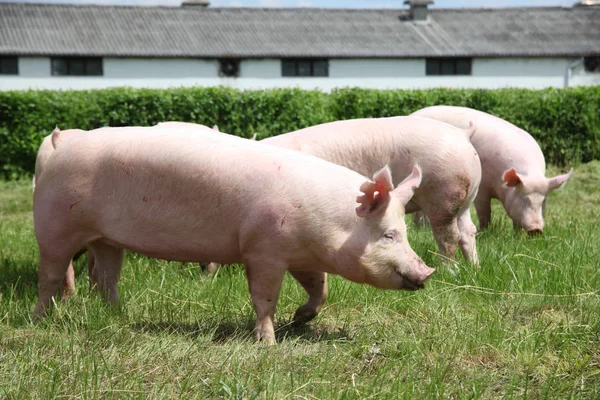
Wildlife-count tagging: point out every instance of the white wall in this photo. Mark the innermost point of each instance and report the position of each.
(382, 68)
(491, 73)
(144, 68)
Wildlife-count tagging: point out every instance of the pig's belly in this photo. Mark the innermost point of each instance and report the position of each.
(184, 245)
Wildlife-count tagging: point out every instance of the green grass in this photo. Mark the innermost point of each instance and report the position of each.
(524, 325)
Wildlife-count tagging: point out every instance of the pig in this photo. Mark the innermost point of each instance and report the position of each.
(44, 152)
(167, 193)
(513, 167)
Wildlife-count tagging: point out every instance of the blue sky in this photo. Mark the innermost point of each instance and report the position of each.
(325, 3)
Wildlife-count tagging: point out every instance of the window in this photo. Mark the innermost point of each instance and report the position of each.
(304, 67)
(77, 66)
(592, 63)
(9, 65)
(229, 67)
(448, 66)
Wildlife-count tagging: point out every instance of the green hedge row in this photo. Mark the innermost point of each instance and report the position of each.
(566, 122)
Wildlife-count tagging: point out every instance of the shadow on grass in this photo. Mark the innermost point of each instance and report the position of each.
(224, 331)
(20, 278)
(17, 278)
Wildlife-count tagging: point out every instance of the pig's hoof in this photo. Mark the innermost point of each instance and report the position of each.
(67, 293)
(304, 314)
(213, 267)
(265, 338)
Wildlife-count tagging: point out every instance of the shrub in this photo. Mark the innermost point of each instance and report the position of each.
(566, 122)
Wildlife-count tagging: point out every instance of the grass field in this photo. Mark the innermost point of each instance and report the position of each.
(524, 325)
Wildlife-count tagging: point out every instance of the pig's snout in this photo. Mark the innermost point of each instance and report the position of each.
(535, 232)
(417, 280)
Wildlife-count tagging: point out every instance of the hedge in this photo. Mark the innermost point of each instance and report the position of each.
(566, 122)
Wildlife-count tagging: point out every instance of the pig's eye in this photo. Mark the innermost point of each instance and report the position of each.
(390, 235)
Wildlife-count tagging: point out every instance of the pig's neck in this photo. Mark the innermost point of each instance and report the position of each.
(345, 262)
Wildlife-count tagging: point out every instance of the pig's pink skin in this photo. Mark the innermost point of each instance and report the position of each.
(451, 167)
(167, 193)
(44, 152)
(503, 147)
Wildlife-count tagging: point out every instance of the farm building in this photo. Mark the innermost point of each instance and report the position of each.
(56, 46)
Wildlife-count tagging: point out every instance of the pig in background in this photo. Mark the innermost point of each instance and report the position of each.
(512, 163)
(167, 193)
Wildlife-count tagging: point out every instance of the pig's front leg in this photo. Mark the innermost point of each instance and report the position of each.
(264, 281)
(315, 284)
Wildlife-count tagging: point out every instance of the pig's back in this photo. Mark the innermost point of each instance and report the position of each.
(500, 144)
(365, 145)
(193, 184)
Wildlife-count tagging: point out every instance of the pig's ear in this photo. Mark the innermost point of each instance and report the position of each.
(55, 137)
(511, 178)
(406, 189)
(559, 180)
(253, 138)
(216, 128)
(375, 193)
(470, 131)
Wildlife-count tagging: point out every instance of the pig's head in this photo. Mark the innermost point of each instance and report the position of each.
(386, 258)
(525, 201)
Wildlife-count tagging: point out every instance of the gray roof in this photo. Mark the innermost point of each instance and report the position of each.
(90, 30)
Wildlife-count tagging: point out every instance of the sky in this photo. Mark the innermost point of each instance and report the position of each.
(323, 3)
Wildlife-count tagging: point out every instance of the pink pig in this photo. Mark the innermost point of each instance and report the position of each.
(167, 193)
(512, 163)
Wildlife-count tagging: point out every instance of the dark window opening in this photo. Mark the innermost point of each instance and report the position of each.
(229, 67)
(9, 65)
(77, 66)
(304, 67)
(448, 66)
(592, 63)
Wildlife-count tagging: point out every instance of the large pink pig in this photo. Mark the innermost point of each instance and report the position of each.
(168, 194)
(512, 163)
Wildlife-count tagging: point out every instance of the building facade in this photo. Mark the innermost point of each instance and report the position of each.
(88, 47)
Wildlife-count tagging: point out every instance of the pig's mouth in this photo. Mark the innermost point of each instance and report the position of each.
(411, 285)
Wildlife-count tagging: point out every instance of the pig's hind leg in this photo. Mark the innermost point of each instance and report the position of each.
(315, 284)
(51, 272)
(446, 233)
(106, 269)
(467, 236)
